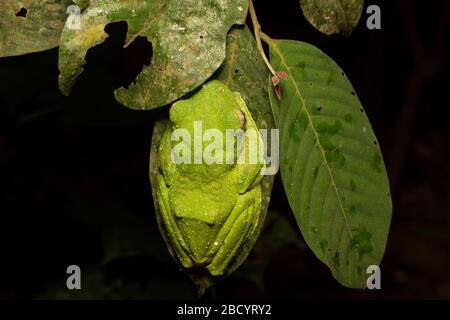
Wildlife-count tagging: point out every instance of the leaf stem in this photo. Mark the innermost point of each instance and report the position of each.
(258, 34)
(265, 38)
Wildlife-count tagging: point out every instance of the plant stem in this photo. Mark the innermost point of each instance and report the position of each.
(258, 34)
(265, 37)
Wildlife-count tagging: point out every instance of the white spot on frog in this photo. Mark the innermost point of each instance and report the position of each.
(216, 243)
(240, 8)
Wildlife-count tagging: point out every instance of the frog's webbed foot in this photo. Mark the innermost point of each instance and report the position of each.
(238, 227)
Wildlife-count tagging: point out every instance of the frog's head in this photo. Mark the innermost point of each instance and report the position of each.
(218, 111)
(215, 105)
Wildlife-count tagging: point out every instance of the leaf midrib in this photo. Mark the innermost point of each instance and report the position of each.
(311, 124)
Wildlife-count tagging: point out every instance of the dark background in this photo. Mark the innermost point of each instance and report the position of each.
(75, 189)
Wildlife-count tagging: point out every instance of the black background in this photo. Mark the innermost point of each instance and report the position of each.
(74, 170)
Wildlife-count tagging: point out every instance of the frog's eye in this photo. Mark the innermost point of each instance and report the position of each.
(242, 120)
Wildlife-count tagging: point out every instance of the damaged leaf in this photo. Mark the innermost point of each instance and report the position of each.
(331, 163)
(31, 25)
(333, 16)
(188, 40)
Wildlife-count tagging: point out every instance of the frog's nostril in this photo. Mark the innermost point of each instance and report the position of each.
(242, 119)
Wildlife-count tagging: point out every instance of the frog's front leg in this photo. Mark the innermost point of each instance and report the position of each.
(239, 226)
(180, 245)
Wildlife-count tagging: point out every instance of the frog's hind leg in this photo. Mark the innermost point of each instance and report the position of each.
(180, 245)
(239, 226)
(256, 214)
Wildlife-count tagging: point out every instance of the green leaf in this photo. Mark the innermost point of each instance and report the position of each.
(250, 82)
(331, 164)
(188, 40)
(39, 30)
(333, 16)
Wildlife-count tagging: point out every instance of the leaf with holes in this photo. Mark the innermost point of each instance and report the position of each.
(188, 40)
(31, 26)
(333, 16)
(331, 164)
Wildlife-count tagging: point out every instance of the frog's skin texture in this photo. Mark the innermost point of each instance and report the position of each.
(209, 211)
